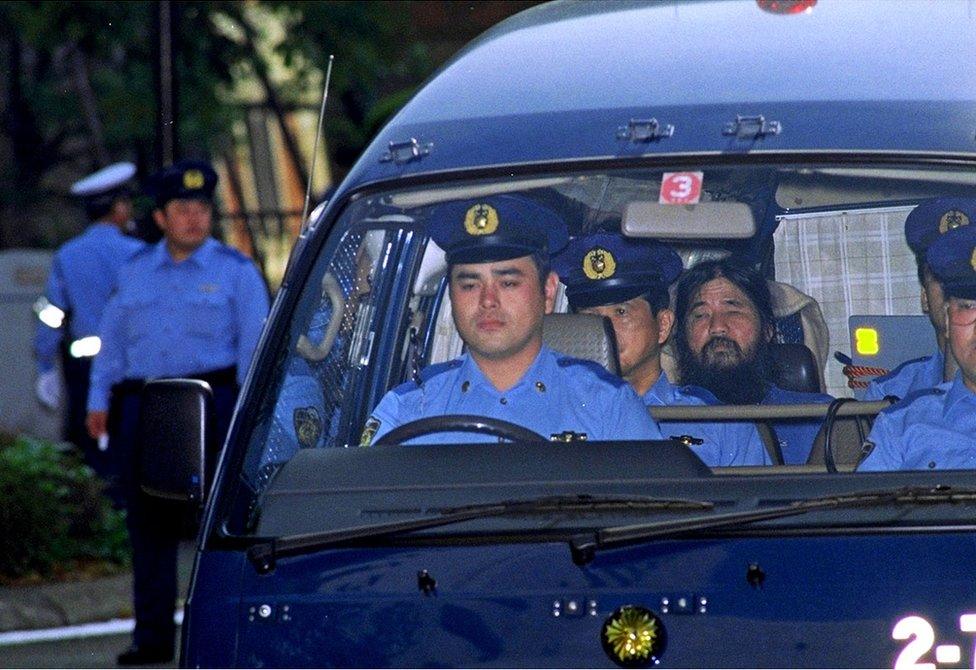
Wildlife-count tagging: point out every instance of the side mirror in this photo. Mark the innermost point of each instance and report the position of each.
(175, 426)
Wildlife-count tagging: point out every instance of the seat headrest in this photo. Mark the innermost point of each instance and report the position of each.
(586, 336)
(794, 367)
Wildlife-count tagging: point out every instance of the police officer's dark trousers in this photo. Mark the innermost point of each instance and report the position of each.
(156, 526)
(76, 375)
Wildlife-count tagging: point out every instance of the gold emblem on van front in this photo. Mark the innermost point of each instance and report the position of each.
(599, 264)
(193, 179)
(633, 637)
(951, 220)
(481, 220)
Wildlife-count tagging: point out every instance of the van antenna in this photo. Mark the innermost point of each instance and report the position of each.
(315, 147)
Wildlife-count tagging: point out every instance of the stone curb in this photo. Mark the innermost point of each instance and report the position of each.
(68, 603)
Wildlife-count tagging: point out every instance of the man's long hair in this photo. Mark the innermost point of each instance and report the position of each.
(748, 382)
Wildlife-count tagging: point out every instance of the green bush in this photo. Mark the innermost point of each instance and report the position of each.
(53, 514)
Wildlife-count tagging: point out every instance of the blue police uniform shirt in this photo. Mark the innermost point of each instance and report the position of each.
(557, 393)
(171, 319)
(914, 375)
(795, 436)
(930, 429)
(83, 276)
(723, 444)
(305, 415)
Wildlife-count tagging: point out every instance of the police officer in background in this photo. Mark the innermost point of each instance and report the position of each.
(924, 225)
(500, 285)
(188, 307)
(83, 276)
(936, 428)
(627, 281)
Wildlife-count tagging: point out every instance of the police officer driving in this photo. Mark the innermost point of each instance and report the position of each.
(500, 286)
(936, 428)
(83, 276)
(187, 307)
(627, 281)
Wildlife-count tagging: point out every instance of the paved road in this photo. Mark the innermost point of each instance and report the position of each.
(86, 652)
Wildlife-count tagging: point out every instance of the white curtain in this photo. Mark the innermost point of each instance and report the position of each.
(851, 263)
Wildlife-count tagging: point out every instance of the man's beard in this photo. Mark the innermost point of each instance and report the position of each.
(734, 377)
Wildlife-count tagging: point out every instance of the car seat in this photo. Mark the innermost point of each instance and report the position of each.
(586, 336)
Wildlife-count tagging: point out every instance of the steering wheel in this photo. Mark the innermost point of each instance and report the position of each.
(459, 423)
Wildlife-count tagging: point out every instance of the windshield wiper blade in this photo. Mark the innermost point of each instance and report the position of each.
(583, 547)
(264, 554)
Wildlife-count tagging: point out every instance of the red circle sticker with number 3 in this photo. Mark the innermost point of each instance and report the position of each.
(680, 188)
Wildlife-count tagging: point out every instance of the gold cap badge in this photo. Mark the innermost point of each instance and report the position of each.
(599, 264)
(193, 179)
(972, 260)
(481, 220)
(951, 220)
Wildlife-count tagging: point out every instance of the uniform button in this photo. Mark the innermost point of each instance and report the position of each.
(931, 465)
(465, 386)
(503, 401)
(541, 387)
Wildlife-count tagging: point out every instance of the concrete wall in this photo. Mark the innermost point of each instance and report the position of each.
(23, 273)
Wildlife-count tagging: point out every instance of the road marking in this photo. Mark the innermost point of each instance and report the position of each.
(96, 629)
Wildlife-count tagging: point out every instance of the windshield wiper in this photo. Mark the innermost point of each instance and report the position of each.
(584, 546)
(264, 554)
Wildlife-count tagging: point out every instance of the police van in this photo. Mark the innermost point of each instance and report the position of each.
(792, 135)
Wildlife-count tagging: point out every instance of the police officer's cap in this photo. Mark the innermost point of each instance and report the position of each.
(496, 228)
(185, 180)
(932, 218)
(952, 258)
(607, 269)
(107, 183)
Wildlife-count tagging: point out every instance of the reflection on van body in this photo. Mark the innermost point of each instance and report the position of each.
(796, 143)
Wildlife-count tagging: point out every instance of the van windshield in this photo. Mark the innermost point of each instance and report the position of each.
(736, 321)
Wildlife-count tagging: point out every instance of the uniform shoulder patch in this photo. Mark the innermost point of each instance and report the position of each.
(369, 431)
(230, 251)
(593, 367)
(432, 371)
(308, 425)
(912, 397)
(901, 366)
(702, 394)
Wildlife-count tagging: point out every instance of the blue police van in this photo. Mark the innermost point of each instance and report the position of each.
(792, 135)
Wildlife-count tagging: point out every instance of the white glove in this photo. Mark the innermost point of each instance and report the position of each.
(48, 389)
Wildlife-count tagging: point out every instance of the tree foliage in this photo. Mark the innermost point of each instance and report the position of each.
(81, 88)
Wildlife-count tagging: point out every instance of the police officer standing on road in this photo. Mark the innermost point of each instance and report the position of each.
(936, 428)
(187, 307)
(500, 285)
(924, 225)
(83, 276)
(627, 281)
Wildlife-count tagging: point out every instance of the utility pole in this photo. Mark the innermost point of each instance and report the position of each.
(167, 107)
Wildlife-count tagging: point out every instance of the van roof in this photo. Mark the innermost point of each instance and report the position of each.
(562, 80)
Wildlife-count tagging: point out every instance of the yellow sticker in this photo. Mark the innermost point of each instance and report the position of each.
(481, 220)
(866, 341)
(599, 263)
(951, 220)
(193, 179)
